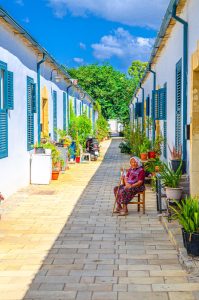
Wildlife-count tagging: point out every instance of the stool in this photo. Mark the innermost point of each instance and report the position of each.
(85, 157)
(139, 201)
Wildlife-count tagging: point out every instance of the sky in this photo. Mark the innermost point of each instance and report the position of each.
(79, 32)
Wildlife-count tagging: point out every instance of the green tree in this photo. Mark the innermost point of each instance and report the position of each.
(136, 71)
(109, 87)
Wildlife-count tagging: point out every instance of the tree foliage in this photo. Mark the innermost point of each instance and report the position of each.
(136, 71)
(111, 88)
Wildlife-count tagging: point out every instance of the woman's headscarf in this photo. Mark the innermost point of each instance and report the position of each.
(137, 160)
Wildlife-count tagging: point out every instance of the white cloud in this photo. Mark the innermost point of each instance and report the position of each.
(78, 60)
(144, 13)
(121, 44)
(82, 46)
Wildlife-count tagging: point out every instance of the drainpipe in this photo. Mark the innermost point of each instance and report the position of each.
(142, 107)
(153, 102)
(185, 73)
(68, 104)
(38, 96)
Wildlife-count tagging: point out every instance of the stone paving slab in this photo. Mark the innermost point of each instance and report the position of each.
(62, 242)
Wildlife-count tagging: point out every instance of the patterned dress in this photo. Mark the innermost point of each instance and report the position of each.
(125, 195)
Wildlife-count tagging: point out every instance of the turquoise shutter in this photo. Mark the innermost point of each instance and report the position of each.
(3, 133)
(164, 117)
(10, 103)
(162, 104)
(55, 115)
(178, 116)
(155, 104)
(30, 115)
(34, 103)
(75, 105)
(64, 111)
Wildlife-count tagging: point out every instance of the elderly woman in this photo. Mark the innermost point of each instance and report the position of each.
(133, 183)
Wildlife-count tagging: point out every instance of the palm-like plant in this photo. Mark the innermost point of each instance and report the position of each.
(169, 177)
(187, 214)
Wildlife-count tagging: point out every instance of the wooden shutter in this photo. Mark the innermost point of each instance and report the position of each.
(55, 115)
(178, 116)
(10, 103)
(64, 111)
(3, 133)
(155, 104)
(30, 115)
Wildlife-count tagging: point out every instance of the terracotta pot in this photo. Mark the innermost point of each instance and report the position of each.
(151, 154)
(143, 156)
(77, 159)
(55, 175)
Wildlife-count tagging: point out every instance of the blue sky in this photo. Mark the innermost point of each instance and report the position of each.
(80, 32)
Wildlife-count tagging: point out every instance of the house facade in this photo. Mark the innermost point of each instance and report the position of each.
(168, 93)
(35, 96)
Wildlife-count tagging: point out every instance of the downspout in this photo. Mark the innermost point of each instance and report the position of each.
(142, 107)
(185, 74)
(153, 102)
(38, 96)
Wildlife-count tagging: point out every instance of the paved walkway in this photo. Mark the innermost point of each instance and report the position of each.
(61, 242)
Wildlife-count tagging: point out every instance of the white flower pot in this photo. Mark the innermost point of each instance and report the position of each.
(174, 193)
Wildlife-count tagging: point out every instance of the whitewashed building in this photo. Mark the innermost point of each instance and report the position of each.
(169, 89)
(34, 101)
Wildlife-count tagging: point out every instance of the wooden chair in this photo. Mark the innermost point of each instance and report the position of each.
(140, 201)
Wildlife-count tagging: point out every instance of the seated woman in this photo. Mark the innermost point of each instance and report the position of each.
(133, 183)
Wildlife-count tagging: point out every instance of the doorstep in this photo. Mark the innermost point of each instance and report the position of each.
(191, 264)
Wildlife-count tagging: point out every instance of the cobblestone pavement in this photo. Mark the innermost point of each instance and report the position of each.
(61, 242)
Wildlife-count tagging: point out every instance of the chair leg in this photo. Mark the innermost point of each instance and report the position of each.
(143, 195)
(138, 201)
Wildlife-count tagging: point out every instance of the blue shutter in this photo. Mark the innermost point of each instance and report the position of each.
(164, 117)
(162, 104)
(75, 105)
(55, 115)
(138, 110)
(30, 115)
(178, 116)
(64, 111)
(148, 106)
(4, 101)
(3, 133)
(155, 104)
(34, 99)
(10, 104)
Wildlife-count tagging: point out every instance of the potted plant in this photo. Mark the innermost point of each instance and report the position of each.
(157, 146)
(64, 139)
(171, 180)
(153, 165)
(143, 148)
(39, 149)
(77, 153)
(55, 163)
(187, 214)
(176, 158)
